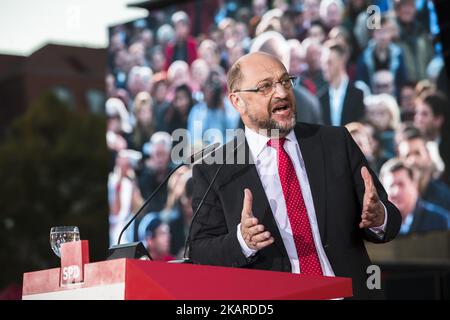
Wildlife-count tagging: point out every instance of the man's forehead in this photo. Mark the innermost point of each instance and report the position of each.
(261, 66)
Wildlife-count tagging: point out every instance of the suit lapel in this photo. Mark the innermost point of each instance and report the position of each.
(325, 100)
(346, 106)
(312, 153)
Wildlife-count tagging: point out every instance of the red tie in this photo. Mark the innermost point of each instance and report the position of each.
(296, 210)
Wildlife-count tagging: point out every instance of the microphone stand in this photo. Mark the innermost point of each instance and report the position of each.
(137, 249)
(185, 258)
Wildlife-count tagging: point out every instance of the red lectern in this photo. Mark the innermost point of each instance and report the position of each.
(138, 279)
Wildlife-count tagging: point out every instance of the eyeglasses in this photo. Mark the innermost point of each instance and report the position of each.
(267, 87)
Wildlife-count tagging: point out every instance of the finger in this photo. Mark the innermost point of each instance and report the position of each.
(254, 230)
(248, 201)
(368, 218)
(373, 197)
(260, 237)
(373, 208)
(365, 224)
(368, 182)
(264, 244)
(249, 222)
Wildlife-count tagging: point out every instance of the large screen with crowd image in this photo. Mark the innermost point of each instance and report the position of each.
(375, 67)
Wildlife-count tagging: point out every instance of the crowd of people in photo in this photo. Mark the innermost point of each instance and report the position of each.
(375, 67)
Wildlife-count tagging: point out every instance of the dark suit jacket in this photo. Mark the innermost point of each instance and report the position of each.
(333, 163)
(352, 110)
(429, 217)
(308, 106)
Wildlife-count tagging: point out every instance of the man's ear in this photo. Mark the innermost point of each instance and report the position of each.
(439, 120)
(236, 101)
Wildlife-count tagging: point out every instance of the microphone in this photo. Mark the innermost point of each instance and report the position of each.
(137, 249)
(186, 259)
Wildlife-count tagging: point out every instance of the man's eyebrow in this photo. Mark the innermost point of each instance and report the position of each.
(271, 78)
(265, 79)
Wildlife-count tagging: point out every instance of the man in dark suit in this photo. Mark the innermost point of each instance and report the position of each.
(341, 101)
(310, 110)
(297, 198)
(418, 215)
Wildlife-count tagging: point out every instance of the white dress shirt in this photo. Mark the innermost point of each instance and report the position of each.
(266, 163)
(337, 97)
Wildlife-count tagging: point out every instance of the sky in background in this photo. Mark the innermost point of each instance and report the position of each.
(26, 25)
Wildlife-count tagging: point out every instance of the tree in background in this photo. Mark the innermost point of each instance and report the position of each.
(53, 171)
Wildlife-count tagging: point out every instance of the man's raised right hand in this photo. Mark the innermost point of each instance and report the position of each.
(254, 234)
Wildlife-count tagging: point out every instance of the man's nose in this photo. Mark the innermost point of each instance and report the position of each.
(280, 90)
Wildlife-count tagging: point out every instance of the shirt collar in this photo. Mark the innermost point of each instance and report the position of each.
(257, 142)
(342, 85)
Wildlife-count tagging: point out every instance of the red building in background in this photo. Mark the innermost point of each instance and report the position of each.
(75, 74)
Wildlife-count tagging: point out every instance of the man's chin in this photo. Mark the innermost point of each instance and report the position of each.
(286, 124)
(283, 127)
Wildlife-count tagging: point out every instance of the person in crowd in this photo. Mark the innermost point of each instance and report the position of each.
(235, 50)
(139, 79)
(363, 135)
(382, 53)
(209, 51)
(416, 44)
(119, 124)
(407, 97)
(316, 32)
(259, 7)
(299, 67)
(177, 75)
(313, 53)
(342, 102)
(137, 53)
(383, 82)
(178, 210)
(157, 238)
(176, 116)
(155, 169)
(144, 128)
(287, 21)
(342, 37)
(199, 71)
(382, 112)
(353, 9)
(311, 13)
(157, 59)
(184, 46)
(417, 214)
(414, 152)
(430, 112)
(110, 85)
(297, 63)
(115, 141)
(123, 194)
(270, 21)
(209, 119)
(331, 13)
(116, 44)
(159, 93)
(431, 118)
(165, 35)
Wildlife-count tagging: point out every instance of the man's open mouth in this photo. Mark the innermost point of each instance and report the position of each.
(281, 109)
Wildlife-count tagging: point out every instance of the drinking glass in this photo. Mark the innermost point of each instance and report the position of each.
(62, 234)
